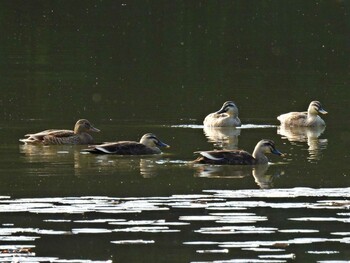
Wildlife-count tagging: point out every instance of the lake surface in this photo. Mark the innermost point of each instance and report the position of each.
(161, 66)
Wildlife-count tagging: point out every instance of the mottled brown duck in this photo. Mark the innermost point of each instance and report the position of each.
(80, 135)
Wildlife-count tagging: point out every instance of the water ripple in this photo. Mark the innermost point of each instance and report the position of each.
(241, 216)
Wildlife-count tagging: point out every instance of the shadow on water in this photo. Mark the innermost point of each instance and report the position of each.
(52, 161)
(223, 138)
(308, 135)
(64, 157)
(259, 172)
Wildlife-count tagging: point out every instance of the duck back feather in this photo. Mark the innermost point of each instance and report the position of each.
(234, 157)
(148, 144)
(123, 148)
(80, 135)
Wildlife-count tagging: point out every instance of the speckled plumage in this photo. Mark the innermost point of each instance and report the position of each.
(239, 157)
(80, 135)
(227, 116)
(148, 144)
(304, 119)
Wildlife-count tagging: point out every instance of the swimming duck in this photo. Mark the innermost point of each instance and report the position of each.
(304, 119)
(80, 135)
(239, 157)
(148, 144)
(225, 117)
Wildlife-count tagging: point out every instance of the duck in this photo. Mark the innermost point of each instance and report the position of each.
(148, 144)
(304, 119)
(80, 135)
(227, 116)
(239, 157)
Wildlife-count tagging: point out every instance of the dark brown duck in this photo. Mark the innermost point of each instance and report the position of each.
(148, 144)
(239, 157)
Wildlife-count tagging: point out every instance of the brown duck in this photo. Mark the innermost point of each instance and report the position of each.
(80, 135)
(239, 157)
(148, 144)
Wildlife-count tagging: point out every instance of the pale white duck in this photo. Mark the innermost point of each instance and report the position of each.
(304, 119)
(227, 116)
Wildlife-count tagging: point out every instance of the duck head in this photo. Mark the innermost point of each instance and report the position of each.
(229, 107)
(84, 125)
(268, 146)
(315, 108)
(150, 140)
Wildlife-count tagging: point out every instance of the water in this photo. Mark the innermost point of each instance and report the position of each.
(160, 67)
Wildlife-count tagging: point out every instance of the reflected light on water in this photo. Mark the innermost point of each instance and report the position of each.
(153, 218)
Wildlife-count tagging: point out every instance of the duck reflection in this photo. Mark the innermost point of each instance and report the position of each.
(222, 171)
(148, 168)
(41, 153)
(310, 135)
(259, 172)
(50, 160)
(263, 179)
(70, 159)
(223, 137)
(111, 164)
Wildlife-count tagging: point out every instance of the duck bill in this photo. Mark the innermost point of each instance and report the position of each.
(222, 110)
(162, 144)
(322, 111)
(277, 152)
(93, 129)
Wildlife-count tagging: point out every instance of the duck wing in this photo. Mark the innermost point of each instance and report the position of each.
(293, 118)
(53, 132)
(121, 148)
(235, 157)
(41, 136)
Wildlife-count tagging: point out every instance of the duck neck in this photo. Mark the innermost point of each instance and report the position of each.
(259, 156)
(311, 113)
(311, 117)
(233, 113)
(77, 130)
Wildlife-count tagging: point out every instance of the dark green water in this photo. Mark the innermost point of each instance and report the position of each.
(133, 67)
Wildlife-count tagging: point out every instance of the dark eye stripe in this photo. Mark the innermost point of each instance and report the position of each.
(152, 137)
(229, 105)
(317, 104)
(269, 143)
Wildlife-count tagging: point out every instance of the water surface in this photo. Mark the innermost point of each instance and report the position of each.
(161, 67)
